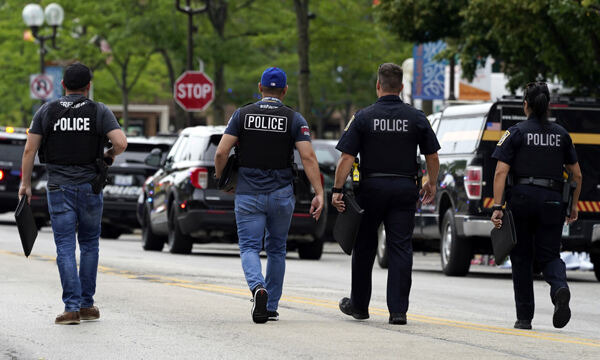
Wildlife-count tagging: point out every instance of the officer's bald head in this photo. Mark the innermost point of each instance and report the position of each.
(389, 76)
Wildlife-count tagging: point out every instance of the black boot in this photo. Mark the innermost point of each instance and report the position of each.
(397, 318)
(347, 308)
(523, 324)
(562, 312)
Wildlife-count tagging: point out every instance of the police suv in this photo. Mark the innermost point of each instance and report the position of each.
(181, 205)
(125, 179)
(12, 144)
(458, 221)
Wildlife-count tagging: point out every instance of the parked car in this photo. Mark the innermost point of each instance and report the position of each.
(125, 179)
(181, 204)
(457, 223)
(12, 144)
(328, 156)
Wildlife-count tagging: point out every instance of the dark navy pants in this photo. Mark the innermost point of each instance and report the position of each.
(391, 201)
(539, 216)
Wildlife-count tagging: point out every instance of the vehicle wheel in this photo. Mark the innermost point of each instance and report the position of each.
(110, 232)
(312, 250)
(179, 243)
(596, 261)
(382, 258)
(455, 251)
(151, 241)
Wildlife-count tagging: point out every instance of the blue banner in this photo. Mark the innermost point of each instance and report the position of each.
(428, 78)
(56, 72)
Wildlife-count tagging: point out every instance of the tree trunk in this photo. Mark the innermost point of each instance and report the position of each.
(125, 95)
(452, 64)
(301, 7)
(217, 14)
(179, 121)
(125, 108)
(218, 107)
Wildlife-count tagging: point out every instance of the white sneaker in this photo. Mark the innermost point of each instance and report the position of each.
(570, 259)
(506, 265)
(584, 262)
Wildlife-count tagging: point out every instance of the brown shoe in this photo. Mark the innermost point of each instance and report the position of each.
(68, 318)
(91, 313)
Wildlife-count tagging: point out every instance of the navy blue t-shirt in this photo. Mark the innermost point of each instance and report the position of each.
(259, 181)
(351, 141)
(508, 146)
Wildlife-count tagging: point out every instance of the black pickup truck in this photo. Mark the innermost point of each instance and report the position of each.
(181, 204)
(457, 223)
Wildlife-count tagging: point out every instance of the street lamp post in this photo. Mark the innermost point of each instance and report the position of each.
(33, 16)
(187, 9)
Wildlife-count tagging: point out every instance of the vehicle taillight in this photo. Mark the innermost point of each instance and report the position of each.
(474, 182)
(1, 175)
(199, 178)
(322, 179)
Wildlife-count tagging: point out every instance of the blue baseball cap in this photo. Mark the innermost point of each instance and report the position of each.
(273, 77)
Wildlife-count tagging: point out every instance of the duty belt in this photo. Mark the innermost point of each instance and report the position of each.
(545, 183)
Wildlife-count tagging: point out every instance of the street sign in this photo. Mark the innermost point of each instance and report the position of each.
(41, 86)
(193, 91)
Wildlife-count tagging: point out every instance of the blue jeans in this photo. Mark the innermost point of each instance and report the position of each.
(265, 216)
(76, 209)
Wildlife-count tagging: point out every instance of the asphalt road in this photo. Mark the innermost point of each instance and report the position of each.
(164, 306)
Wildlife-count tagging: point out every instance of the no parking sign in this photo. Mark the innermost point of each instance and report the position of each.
(41, 86)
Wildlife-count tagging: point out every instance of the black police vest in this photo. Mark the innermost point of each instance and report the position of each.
(266, 137)
(541, 152)
(71, 136)
(390, 141)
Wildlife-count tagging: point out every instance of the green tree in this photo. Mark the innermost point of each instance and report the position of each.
(537, 39)
(347, 46)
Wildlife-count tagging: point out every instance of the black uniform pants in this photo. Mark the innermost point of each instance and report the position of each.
(393, 202)
(539, 216)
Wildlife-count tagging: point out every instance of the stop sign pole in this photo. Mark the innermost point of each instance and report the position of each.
(193, 91)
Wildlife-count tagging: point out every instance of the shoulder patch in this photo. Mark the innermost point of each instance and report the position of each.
(504, 137)
(349, 122)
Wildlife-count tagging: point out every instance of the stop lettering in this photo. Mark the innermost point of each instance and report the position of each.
(193, 91)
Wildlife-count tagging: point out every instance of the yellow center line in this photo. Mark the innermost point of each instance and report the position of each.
(330, 304)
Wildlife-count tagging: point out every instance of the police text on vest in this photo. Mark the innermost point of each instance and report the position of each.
(543, 139)
(391, 125)
(265, 123)
(72, 124)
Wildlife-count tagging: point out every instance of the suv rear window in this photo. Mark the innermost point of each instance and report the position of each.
(459, 135)
(137, 153)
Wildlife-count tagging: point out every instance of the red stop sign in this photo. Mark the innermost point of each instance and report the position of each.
(194, 91)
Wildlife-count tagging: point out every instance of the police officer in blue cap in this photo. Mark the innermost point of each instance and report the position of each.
(386, 135)
(534, 152)
(267, 132)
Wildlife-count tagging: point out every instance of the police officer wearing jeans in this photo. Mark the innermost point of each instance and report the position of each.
(386, 134)
(69, 134)
(534, 152)
(267, 132)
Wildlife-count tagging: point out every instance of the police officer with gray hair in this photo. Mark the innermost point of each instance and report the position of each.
(386, 134)
(68, 134)
(533, 152)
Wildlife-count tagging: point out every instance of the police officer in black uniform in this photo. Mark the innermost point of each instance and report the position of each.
(533, 152)
(69, 133)
(386, 134)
